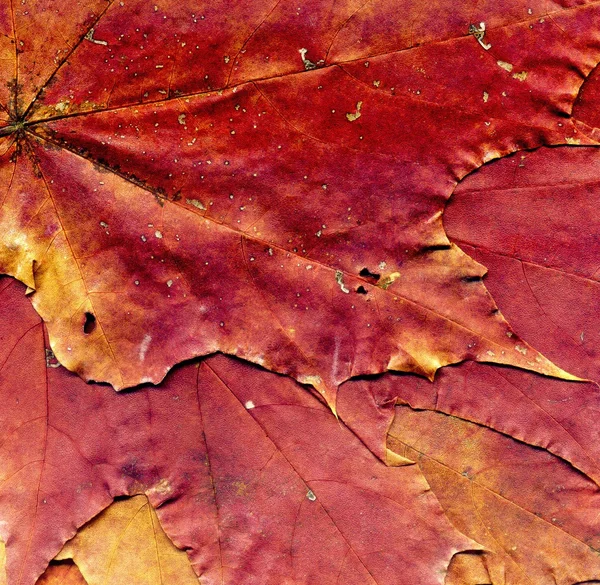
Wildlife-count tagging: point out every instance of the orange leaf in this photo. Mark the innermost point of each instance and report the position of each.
(126, 545)
(535, 514)
(64, 573)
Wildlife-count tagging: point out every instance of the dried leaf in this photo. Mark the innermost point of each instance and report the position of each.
(2, 563)
(535, 514)
(63, 573)
(125, 544)
(178, 183)
(585, 109)
(534, 507)
(57, 573)
(248, 472)
(533, 220)
(468, 569)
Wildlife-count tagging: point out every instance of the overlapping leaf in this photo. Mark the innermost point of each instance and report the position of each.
(548, 287)
(536, 516)
(178, 182)
(534, 507)
(57, 573)
(269, 181)
(125, 544)
(248, 472)
(532, 219)
(557, 416)
(585, 109)
(62, 574)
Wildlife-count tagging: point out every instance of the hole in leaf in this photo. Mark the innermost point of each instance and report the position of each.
(471, 278)
(90, 323)
(366, 273)
(361, 290)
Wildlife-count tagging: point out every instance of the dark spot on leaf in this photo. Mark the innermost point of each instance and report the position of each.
(361, 290)
(366, 273)
(131, 469)
(435, 248)
(90, 323)
(471, 278)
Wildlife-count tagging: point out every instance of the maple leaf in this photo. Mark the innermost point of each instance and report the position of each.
(467, 569)
(535, 514)
(125, 544)
(532, 220)
(585, 111)
(247, 471)
(269, 184)
(57, 573)
(2, 563)
(531, 502)
(543, 413)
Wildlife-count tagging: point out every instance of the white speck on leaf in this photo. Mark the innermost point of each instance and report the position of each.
(504, 65)
(90, 37)
(144, 346)
(339, 278)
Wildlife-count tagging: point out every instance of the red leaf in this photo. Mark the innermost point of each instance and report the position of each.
(248, 472)
(184, 182)
(585, 109)
(557, 416)
(532, 220)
